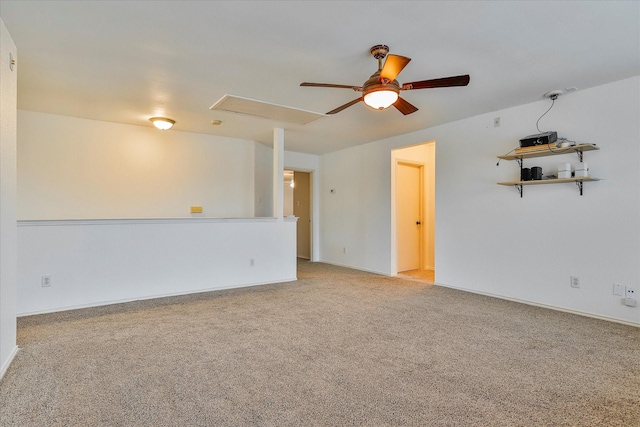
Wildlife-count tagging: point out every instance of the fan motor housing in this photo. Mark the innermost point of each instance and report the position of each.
(374, 84)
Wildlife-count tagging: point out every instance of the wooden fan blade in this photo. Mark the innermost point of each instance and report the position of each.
(405, 107)
(392, 66)
(356, 88)
(442, 82)
(347, 105)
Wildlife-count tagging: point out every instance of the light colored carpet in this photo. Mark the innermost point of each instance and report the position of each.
(337, 347)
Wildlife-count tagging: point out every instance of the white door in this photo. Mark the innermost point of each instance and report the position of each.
(408, 216)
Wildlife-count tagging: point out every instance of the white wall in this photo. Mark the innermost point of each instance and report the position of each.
(78, 168)
(108, 261)
(8, 239)
(88, 180)
(356, 206)
(488, 239)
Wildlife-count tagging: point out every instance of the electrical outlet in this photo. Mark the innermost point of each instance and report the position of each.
(496, 122)
(575, 282)
(252, 262)
(45, 281)
(344, 249)
(630, 298)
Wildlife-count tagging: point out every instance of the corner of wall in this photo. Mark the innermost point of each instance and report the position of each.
(8, 223)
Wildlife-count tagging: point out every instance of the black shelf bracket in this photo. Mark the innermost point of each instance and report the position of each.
(579, 184)
(519, 188)
(579, 153)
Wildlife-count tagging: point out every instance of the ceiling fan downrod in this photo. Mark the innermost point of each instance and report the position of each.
(379, 52)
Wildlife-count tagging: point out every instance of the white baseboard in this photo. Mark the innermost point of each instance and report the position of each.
(356, 268)
(6, 365)
(148, 297)
(550, 307)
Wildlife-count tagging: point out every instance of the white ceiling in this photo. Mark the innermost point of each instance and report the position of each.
(126, 61)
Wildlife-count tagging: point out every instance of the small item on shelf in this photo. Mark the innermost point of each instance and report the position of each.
(564, 170)
(536, 173)
(539, 139)
(525, 174)
(581, 170)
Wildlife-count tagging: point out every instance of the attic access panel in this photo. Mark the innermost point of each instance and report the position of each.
(267, 110)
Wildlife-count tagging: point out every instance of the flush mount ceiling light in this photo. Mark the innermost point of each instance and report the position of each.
(162, 123)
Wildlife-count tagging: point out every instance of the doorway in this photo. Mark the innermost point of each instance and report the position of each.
(413, 202)
(298, 202)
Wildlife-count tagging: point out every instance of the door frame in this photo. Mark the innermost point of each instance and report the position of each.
(313, 229)
(413, 153)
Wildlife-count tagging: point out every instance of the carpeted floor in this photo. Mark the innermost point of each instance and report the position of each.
(423, 275)
(337, 347)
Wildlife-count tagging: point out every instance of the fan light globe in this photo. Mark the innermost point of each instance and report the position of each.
(162, 123)
(380, 99)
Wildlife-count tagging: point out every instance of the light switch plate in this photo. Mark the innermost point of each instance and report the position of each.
(619, 289)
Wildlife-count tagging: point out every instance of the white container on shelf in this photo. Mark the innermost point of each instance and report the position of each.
(581, 170)
(564, 170)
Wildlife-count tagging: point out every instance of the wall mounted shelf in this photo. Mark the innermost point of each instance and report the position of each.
(549, 151)
(578, 182)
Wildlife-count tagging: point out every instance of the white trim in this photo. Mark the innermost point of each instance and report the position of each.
(380, 273)
(148, 297)
(535, 304)
(541, 305)
(66, 222)
(12, 356)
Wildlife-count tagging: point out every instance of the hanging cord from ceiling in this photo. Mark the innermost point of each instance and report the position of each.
(553, 101)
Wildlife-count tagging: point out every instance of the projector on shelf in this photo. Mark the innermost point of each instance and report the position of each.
(539, 139)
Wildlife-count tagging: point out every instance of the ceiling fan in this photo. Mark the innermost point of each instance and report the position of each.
(382, 89)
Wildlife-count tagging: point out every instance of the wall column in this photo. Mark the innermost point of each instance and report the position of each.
(278, 172)
(8, 223)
